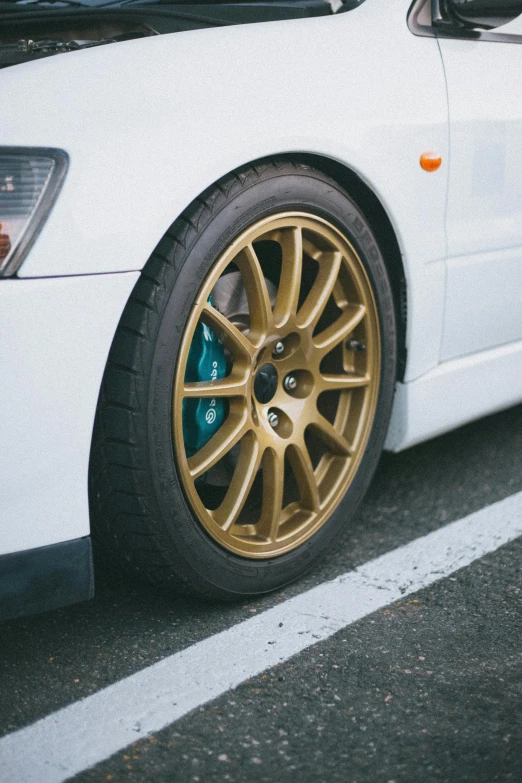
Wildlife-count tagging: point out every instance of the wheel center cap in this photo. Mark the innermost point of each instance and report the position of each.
(265, 383)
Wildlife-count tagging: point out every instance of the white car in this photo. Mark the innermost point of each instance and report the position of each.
(244, 247)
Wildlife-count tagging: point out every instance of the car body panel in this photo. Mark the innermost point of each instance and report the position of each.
(56, 334)
(206, 101)
(483, 302)
(455, 393)
(149, 125)
(484, 218)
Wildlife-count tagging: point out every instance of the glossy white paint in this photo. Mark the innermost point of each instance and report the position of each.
(455, 393)
(206, 101)
(484, 218)
(55, 337)
(484, 302)
(150, 124)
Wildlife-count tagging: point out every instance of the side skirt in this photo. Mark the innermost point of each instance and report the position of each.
(455, 393)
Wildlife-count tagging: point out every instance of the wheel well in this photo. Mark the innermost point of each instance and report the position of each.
(382, 228)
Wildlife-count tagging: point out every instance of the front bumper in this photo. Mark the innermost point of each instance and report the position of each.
(55, 336)
(40, 579)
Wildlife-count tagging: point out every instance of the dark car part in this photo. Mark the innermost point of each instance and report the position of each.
(296, 275)
(31, 31)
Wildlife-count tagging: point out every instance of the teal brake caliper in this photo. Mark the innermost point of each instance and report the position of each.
(204, 416)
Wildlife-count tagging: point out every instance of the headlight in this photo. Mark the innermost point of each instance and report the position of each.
(29, 183)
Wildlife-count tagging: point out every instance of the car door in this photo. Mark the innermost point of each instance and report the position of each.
(484, 210)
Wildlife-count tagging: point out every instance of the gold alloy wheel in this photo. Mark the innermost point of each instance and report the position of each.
(300, 392)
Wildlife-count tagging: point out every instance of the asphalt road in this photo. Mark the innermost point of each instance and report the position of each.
(427, 689)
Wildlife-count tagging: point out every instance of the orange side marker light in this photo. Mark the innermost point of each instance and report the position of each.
(430, 161)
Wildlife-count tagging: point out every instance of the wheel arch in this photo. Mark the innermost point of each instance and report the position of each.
(376, 215)
(373, 210)
(140, 383)
(382, 227)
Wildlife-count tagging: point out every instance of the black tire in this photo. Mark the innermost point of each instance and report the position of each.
(137, 503)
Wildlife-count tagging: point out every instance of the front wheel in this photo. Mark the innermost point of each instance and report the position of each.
(255, 362)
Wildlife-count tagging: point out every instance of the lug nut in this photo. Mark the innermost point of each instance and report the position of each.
(273, 419)
(289, 383)
(355, 345)
(279, 347)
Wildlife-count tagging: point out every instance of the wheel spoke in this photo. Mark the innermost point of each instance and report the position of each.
(259, 306)
(230, 432)
(231, 386)
(273, 486)
(236, 342)
(291, 242)
(320, 292)
(304, 475)
(326, 340)
(247, 466)
(335, 441)
(340, 382)
(294, 294)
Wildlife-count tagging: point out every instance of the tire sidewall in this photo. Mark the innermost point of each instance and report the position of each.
(198, 556)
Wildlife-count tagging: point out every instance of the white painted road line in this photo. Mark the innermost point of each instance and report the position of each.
(89, 731)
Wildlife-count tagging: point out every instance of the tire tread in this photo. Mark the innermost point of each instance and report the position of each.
(122, 501)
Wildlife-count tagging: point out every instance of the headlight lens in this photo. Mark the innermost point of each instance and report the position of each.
(29, 183)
